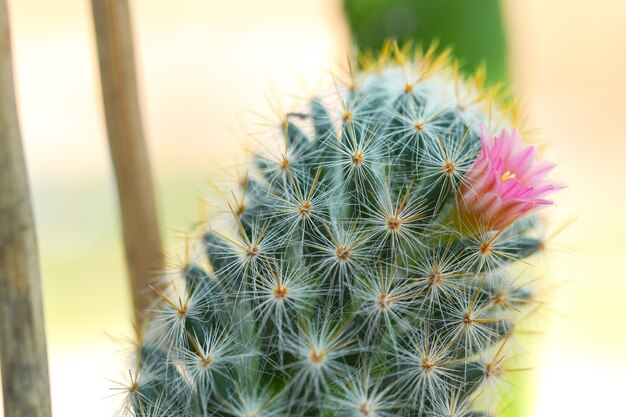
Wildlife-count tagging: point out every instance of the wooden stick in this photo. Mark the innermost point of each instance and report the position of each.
(22, 330)
(142, 238)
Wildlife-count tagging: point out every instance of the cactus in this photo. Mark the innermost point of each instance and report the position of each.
(369, 267)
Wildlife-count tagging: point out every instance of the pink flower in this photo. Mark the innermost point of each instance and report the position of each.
(504, 184)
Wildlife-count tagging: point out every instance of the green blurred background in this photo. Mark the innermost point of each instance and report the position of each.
(204, 63)
(474, 30)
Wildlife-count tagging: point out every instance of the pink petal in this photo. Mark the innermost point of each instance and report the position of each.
(505, 182)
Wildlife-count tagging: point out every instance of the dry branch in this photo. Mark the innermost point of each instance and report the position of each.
(128, 148)
(22, 331)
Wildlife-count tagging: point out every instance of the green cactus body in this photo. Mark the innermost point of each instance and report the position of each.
(342, 284)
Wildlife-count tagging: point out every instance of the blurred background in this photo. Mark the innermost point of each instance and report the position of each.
(203, 64)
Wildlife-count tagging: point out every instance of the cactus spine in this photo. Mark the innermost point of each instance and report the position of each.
(342, 284)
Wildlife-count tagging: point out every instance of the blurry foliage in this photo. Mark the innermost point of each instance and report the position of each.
(473, 28)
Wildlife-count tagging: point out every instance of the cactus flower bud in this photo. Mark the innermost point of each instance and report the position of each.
(504, 184)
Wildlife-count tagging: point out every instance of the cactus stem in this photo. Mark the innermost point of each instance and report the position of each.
(364, 291)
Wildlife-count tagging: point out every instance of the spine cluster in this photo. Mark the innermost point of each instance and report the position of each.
(346, 280)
